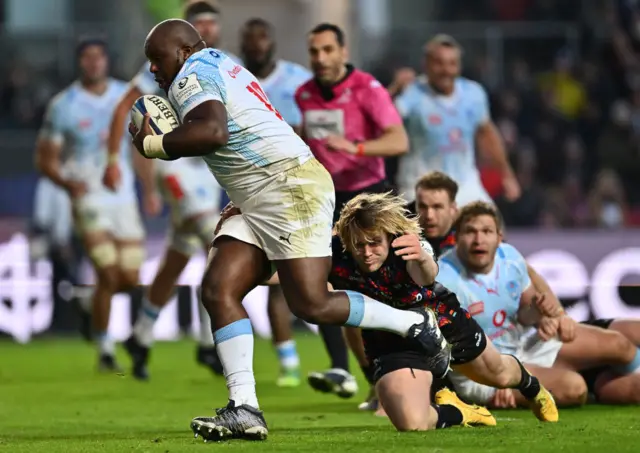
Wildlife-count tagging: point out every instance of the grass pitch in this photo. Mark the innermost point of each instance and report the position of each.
(52, 400)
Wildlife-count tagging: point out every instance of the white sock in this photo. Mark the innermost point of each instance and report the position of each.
(106, 345)
(205, 336)
(143, 329)
(288, 355)
(368, 313)
(234, 343)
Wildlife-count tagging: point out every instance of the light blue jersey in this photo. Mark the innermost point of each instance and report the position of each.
(261, 144)
(79, 122)
(281, 86)
(442, 131)
(492, 299)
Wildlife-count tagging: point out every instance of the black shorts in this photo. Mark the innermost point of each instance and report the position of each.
(343, 197)
(591, 375)
(389, 352)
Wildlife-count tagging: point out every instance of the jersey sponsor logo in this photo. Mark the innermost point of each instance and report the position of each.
(235, 71)
(187, 87)
(435, 120)
(513, 288)
(319, 124)
(455, 135)
(476, 308)
(84, 124)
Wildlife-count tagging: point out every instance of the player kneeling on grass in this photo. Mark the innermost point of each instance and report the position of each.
(378, 252)
(491, 279)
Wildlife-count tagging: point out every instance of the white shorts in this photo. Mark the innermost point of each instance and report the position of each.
(291, 218)
(194, 235)
(122, 220)
(532, 351)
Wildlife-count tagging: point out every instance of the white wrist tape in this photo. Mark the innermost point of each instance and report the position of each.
(152, 146)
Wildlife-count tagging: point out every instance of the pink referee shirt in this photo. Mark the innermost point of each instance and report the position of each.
(359, 111)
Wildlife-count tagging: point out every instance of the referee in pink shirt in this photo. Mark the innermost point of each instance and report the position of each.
(351, 124)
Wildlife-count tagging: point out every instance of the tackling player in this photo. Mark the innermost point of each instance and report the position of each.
(70, 152)
(446, 117)
(491, 279)
(194, 199)
(287, 202)
(280, 80)
(351, 125)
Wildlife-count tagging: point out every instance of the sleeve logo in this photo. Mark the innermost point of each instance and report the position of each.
(186, 88)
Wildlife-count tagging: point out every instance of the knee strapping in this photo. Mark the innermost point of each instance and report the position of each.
(131, 257)
(104, 255)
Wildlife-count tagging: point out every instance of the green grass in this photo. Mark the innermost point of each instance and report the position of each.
(51, 400)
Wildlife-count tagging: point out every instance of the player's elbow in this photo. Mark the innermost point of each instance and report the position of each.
(216, 135)
(400, 142)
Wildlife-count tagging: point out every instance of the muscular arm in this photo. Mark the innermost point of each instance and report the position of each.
(541, 286)
(491, 146)
(119, 120)
(393, 142)
(422, 267)
(203, 130)
(47, 161)
(528, 313)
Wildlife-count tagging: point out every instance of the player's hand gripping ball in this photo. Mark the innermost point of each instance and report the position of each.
(151, 115)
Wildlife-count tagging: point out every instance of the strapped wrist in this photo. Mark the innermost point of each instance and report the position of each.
(152, 147)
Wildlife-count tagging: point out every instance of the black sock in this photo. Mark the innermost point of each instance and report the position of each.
(529, 385)
(336, 346)
(448, 416)
(368, 372)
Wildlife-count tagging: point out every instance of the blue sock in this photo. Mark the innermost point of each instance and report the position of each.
(356, 309)
(288, 355)
(631, 367)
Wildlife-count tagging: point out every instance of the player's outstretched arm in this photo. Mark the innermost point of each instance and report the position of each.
(203, 130)
(528, 312)
(421, 264)
(119, 120)
(547, 301)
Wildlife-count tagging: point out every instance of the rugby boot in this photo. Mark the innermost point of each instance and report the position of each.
(207, 356)
(289, 378)
(335, 380)
(544, 406)
(428, 335)
(472, 415)
(231, 422)
(139, 358)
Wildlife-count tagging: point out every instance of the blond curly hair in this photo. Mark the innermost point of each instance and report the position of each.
(369, 215)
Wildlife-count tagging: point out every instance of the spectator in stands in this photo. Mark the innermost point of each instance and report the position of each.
(608, 201)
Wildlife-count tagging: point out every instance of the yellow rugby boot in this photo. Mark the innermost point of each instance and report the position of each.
(472, 415)
(544, 406)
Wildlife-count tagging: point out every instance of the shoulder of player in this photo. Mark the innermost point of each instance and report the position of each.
(293, 69)
(63, 97)
(363, 81)
(305, 90)
(470, 87)
(509, 254)
(448, 264)
(119, 85)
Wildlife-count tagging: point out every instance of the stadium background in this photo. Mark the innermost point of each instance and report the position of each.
(564, 81)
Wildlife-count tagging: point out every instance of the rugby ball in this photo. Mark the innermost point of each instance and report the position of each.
(163, 118)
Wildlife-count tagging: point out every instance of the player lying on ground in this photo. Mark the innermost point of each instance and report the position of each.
(491, 280)
(193, 197)
(69, 154)
(287, 202)
(435, 195)
(372, 255)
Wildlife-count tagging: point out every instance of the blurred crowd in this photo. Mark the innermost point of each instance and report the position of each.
(571, 125)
